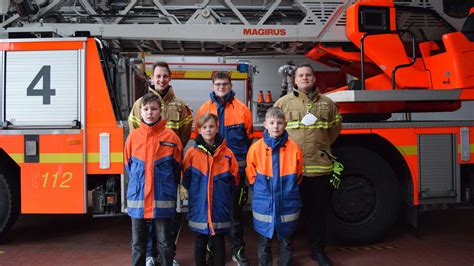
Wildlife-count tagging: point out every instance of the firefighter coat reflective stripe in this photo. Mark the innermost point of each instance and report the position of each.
(235, 123)
(314, 140)
(274, 171)
(153, 163)
(173, 109)
(210, 180)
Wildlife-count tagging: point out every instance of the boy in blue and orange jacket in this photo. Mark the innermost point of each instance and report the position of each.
(153, 162)
(274, 171)
(236, 127)
(210, 176)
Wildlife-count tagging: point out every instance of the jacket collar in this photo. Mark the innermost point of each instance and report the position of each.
(157, 127)
(228, 98)
(313, 96)
(168, 97)
(275, 143)
(219, 144)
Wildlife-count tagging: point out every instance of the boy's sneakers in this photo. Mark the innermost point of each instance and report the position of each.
(150, 261)
(240, 257)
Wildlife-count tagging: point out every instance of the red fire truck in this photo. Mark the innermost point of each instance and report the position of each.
(61, 109)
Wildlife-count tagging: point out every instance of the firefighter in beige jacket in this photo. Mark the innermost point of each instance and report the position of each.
(314, 140)
(180, 119)
(314, 123)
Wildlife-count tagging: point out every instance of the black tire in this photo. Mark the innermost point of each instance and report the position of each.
(367, 202)
(9, 204)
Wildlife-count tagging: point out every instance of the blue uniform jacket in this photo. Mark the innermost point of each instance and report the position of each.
(274, 170)
(210, 180)
(153, 163)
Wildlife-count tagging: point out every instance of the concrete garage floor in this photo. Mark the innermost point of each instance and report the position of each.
(443, 238)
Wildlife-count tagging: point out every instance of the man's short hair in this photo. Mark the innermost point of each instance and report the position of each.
(150, 97)
(275, 112)
(304, 65)
(221, 75)
(206, 117)
(160, 64)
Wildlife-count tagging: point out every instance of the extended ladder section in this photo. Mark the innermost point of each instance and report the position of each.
(226, 27)
(177, 27)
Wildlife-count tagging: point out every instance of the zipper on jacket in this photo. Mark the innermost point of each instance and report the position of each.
(209, 196)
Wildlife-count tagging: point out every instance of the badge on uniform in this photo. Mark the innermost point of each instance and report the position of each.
(309, 119)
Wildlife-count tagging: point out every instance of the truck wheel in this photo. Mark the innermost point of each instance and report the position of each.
(367, 202)
(9, 204)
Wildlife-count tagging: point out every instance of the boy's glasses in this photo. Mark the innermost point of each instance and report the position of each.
(221, 84)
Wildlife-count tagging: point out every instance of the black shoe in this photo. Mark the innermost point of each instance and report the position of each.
(240, 257)
(321, 258)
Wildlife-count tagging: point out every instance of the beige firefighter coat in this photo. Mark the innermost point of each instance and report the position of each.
(314, 140)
